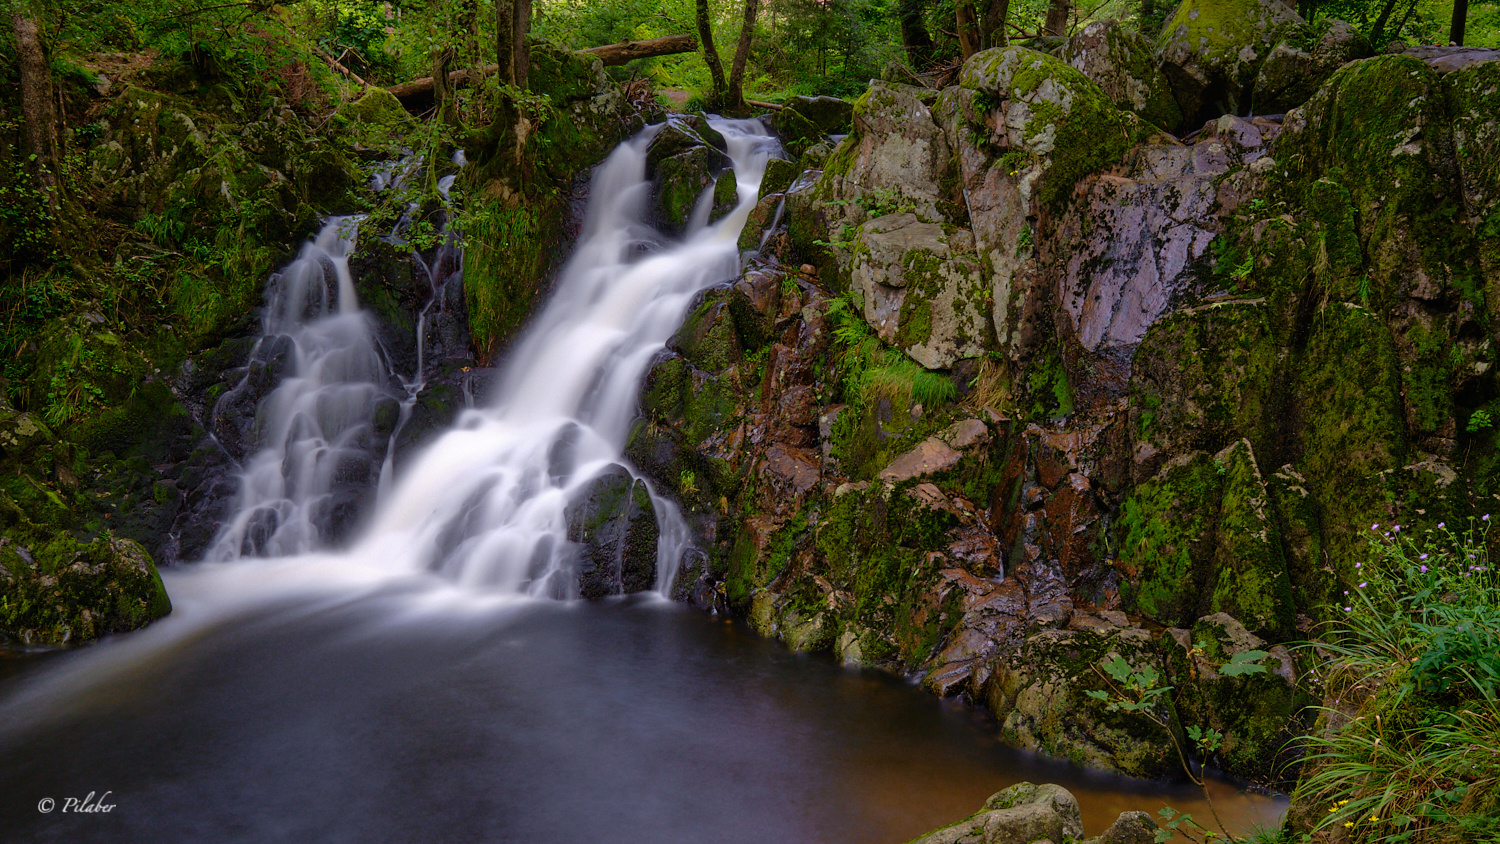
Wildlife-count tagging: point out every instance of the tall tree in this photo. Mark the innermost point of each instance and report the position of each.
(915, 39)
(993, 26)
(1057, 17)
(36, 104)
(512, 24)
(1460, 19)
(710, 54)
(736, 94)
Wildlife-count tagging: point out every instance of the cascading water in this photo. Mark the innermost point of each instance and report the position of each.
(318, 425)
(486, 504)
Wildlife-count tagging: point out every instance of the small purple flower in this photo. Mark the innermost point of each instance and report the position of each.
(1424, 569)
(1423, 557)
(1375, 526)
(1348, 609)
(1396, 528)
(1486, 517)
(1363, 585)
(1442, 525)
(1357, 565)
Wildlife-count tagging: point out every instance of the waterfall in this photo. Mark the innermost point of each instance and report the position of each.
(317, 427)
(485, 504)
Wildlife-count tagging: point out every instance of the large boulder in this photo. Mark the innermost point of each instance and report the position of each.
(1201, 536)
(1121, 61)
(804, 122)
(1212, 49)
(1041, 693)
(1136, 243)
(1027, 127)
(1301, 63)
(1256, 712)
(685, 161)
(896, 156)
(922, 289)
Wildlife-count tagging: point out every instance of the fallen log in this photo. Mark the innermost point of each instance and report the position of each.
(625, 51)
(610, 54)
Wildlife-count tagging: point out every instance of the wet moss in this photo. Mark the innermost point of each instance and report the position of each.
(1167, 527)
(510, 248)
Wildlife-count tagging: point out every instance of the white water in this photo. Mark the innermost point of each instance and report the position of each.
(484, 505)
(316, 424)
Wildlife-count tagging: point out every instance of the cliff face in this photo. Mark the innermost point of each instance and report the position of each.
(1020, 378)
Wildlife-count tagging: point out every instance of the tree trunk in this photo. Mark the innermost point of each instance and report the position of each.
(968, 29)
(625, 51)
(442, 85)
(505, 43)
(1057, 17)
(710, 55)
(736, 101)
(915, 38)
(512, 23)
(522, 28)
(993, 26)
(36, 104)
(1460, 18)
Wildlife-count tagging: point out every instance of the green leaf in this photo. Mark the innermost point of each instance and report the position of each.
(1247, 662)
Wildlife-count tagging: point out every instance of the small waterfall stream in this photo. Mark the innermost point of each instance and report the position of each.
(485, 505)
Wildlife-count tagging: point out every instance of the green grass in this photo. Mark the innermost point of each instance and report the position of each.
(1419, 652)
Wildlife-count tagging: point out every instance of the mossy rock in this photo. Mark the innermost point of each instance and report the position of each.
(1351, 430)
(1121, 61)
(1258, 712)
(680, 181)
(1041, 695)
(510, 248)
(71, 592)
(1301, 63)
(1474, 100)
(1250, 571)
(377, 108)
(613, 523)
(778, 176)
(1167, 529)
(1058, 125)
(1379, 129)
(1203, 377)
(1211, 50)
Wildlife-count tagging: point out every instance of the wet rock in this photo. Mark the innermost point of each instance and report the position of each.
(1122, 62)
(613, 522)
(1210, 50)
